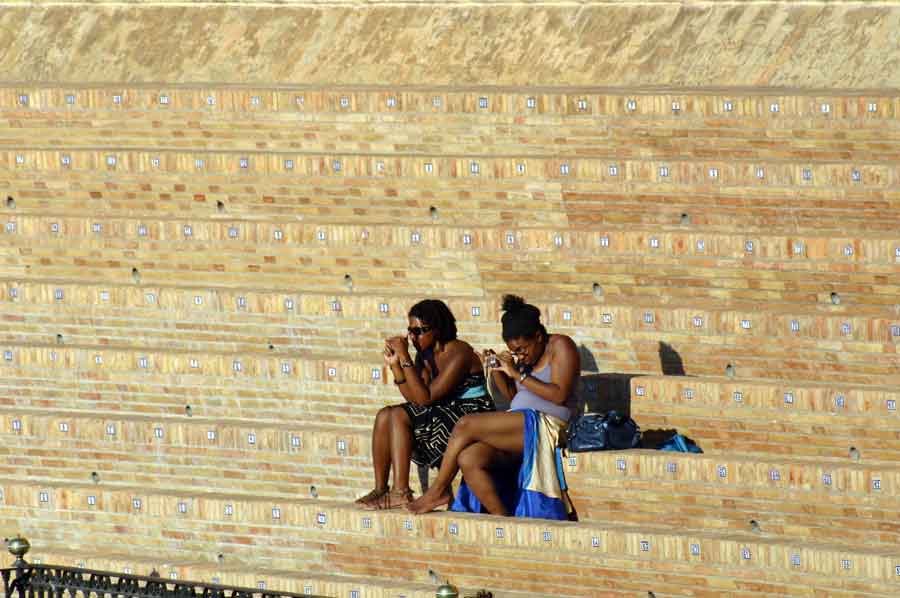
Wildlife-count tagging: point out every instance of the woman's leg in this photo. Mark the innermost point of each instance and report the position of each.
(381, 454)
(503, 431)
(477, 461)
(401, 448)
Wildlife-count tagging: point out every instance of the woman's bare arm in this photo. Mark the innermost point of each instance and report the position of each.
(454, 369)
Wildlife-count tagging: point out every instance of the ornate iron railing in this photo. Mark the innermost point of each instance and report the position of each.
(52, 581)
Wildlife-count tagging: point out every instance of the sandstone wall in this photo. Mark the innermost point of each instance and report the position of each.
(790, 45)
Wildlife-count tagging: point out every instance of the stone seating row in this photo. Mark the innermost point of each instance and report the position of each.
(800, 270)
(843, 422)
(842, 418)
(838, 427)
(347, 443)
(213, 389)
(753, 250)
(626, 139)
(299, 454)
(388, 189)
(420, 203)
(217, 329)
(628, 340)
(776, 109)
(715, 492)
(671, 172)
(626, 349)
(525, 554)
(259, 307)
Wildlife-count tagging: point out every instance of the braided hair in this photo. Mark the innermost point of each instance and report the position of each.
(520, 319)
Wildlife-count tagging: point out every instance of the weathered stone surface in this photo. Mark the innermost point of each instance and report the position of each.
(812, 46)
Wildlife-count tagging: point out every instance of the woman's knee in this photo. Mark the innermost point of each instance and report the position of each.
(463, 427)
(383, 417)
(399, 416)
(473, 457)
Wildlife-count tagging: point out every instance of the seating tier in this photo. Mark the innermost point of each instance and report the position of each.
(478, 551)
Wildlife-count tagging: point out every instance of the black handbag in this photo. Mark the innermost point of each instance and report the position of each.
(603, 432)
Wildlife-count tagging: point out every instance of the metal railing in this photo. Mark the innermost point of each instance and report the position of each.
(52, 581)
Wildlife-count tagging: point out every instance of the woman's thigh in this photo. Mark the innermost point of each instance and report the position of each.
(484, 456)
(501, 430)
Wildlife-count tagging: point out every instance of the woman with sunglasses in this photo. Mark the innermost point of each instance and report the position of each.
(538, 374)
(444, 383)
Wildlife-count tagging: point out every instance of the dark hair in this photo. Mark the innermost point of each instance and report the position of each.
(436, 314)
(520, 319)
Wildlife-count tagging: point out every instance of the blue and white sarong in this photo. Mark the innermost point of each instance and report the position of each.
(541, 491)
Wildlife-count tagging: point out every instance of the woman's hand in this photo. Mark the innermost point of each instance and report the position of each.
(391, 357)
(507, 365)
(399, 346)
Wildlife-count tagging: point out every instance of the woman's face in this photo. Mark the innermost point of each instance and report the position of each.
(527, 349)
(421, 335)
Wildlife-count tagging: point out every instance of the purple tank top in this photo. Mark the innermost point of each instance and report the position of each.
(525, 399)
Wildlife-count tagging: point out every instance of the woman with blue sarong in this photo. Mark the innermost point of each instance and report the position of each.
(538, 375)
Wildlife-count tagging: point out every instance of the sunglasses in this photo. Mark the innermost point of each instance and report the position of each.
(419, 330)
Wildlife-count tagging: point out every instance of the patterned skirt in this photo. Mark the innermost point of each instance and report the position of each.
(433, 424)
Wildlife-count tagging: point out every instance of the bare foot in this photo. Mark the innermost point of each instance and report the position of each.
(430, 501)
(372, 496)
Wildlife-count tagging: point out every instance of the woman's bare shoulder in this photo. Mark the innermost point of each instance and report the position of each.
(563, 347)
(562, 342)
(458, 346)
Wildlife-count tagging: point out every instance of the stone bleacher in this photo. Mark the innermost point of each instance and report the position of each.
(196, 279)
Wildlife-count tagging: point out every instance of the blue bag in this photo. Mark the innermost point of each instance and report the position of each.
(678, 443)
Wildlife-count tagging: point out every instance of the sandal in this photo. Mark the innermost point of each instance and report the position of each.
(372, 496)
(395, 499)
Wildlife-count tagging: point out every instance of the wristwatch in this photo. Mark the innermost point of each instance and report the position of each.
(406, 364)
(522, 377)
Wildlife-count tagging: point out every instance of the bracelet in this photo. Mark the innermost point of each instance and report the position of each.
(399, 382)
(522, 377)
(406, 364)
